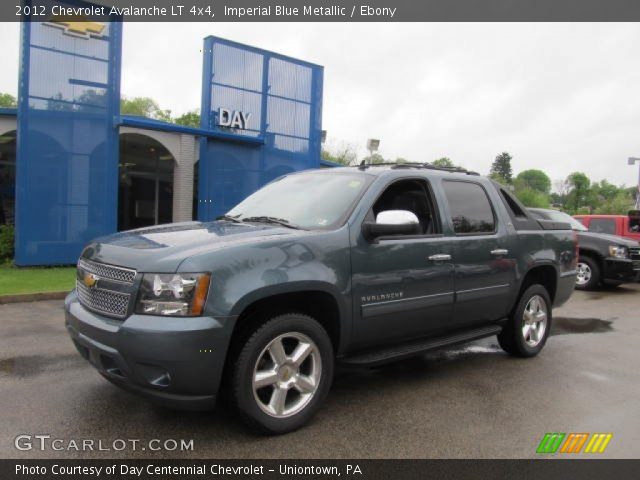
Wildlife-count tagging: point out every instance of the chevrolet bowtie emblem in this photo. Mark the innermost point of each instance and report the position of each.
(90, 280)
(77, 28)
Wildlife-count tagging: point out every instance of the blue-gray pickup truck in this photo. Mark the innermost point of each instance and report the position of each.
(357, 265)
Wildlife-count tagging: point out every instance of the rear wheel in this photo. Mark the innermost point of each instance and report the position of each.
(282, 373)
(588, 276)
(526, 332)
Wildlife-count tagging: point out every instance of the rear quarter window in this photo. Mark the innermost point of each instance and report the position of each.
(470, 208)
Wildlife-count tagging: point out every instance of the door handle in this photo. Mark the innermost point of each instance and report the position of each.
(499, 252)
(440, 257)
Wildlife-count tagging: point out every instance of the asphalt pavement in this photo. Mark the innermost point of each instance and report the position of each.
(472, 401)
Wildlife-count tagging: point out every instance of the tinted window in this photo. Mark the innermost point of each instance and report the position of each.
(470, 208)
(603, 225)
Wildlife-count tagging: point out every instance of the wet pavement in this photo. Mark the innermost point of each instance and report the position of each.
(472, 401)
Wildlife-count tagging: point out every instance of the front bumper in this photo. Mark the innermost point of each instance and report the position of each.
(175, 361)
(620, 269)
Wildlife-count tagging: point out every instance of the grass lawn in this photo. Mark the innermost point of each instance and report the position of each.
(33, 280)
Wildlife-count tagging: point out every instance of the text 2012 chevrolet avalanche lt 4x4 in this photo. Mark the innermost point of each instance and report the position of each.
(360, 265)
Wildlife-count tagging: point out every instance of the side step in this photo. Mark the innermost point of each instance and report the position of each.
(396, 352)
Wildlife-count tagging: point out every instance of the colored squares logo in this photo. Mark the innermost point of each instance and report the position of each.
(574, 443)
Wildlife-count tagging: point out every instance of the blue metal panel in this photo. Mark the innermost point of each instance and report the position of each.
(67, 164)
(283, 96)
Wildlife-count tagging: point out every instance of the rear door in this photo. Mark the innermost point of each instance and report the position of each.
(483, 257)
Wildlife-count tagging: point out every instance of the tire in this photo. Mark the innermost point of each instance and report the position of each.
(518, 340)
(588, 274)
(291, 391)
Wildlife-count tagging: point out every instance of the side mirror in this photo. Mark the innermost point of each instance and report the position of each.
(392, 222)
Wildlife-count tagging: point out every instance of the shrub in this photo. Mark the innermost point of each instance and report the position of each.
(7, 236)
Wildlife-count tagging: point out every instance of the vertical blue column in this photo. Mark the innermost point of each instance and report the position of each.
(67, 162)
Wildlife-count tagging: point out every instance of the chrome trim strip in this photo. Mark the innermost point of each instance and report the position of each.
(406, 299)
(569, 274)
(483, 288)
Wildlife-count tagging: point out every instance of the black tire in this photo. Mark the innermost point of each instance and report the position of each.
(254, 350)
(595, 276)
(512, 339)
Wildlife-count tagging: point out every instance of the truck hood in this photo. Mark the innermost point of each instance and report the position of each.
(605, 237)
(163, 248)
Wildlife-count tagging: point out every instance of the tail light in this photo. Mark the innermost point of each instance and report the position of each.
(577, 248)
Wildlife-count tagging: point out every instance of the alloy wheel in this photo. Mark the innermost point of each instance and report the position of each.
(534, 321)
(584, 274)
(287, 374)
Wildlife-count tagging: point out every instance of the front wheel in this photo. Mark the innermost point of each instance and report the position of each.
(527, 330)
(588, 277)
(282, 373)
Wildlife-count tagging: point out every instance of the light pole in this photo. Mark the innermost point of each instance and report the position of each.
(372, 146)
(632, 161)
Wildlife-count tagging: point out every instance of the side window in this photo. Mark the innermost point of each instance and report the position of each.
(634, 224)
(470, 209)
(412, 195)
(603, 225)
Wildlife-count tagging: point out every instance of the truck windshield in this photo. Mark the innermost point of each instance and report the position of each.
(312, 201)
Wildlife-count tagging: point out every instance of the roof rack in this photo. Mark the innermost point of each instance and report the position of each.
(426, 165)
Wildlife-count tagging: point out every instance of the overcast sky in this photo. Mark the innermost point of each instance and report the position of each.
(559, 97)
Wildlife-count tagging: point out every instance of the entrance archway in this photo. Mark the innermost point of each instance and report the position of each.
(7, 178)
(145, 191)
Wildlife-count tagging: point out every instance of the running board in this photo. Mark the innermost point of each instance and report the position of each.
(396, 352)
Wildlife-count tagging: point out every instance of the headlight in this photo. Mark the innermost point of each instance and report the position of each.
(618, 251)
(173, 294)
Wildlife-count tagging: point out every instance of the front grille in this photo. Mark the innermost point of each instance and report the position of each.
(103, 301)
(111, 272)
(634, 254)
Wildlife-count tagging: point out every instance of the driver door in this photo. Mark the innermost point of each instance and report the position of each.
(403, 284)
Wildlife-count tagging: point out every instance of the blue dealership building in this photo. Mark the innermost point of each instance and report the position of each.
(73, 168)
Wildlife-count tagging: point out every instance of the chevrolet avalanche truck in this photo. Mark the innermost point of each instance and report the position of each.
(603, 258)
(357, 265)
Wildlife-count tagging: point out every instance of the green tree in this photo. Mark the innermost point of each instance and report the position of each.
(534, 179)
(620, 204)
(189, 119)
(579, 195)
(496, 177)
(144, 107)
(531, 197)
(374, 159)
(401, 160)
(501, 167)
(7, 101)
(443, 162)
(344, 154)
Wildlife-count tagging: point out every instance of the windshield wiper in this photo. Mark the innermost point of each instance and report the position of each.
(275, 220)
(229, 218)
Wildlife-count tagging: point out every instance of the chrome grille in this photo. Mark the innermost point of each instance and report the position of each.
(111, 272)
(103, 301)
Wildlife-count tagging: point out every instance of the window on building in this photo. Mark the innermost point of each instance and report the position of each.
(603, 225)
(145, 193)
(470, 208)
(7, 178)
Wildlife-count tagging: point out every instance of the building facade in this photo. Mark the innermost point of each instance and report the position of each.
(73, 169)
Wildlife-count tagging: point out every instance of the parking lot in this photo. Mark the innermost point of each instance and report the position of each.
(473, 401)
